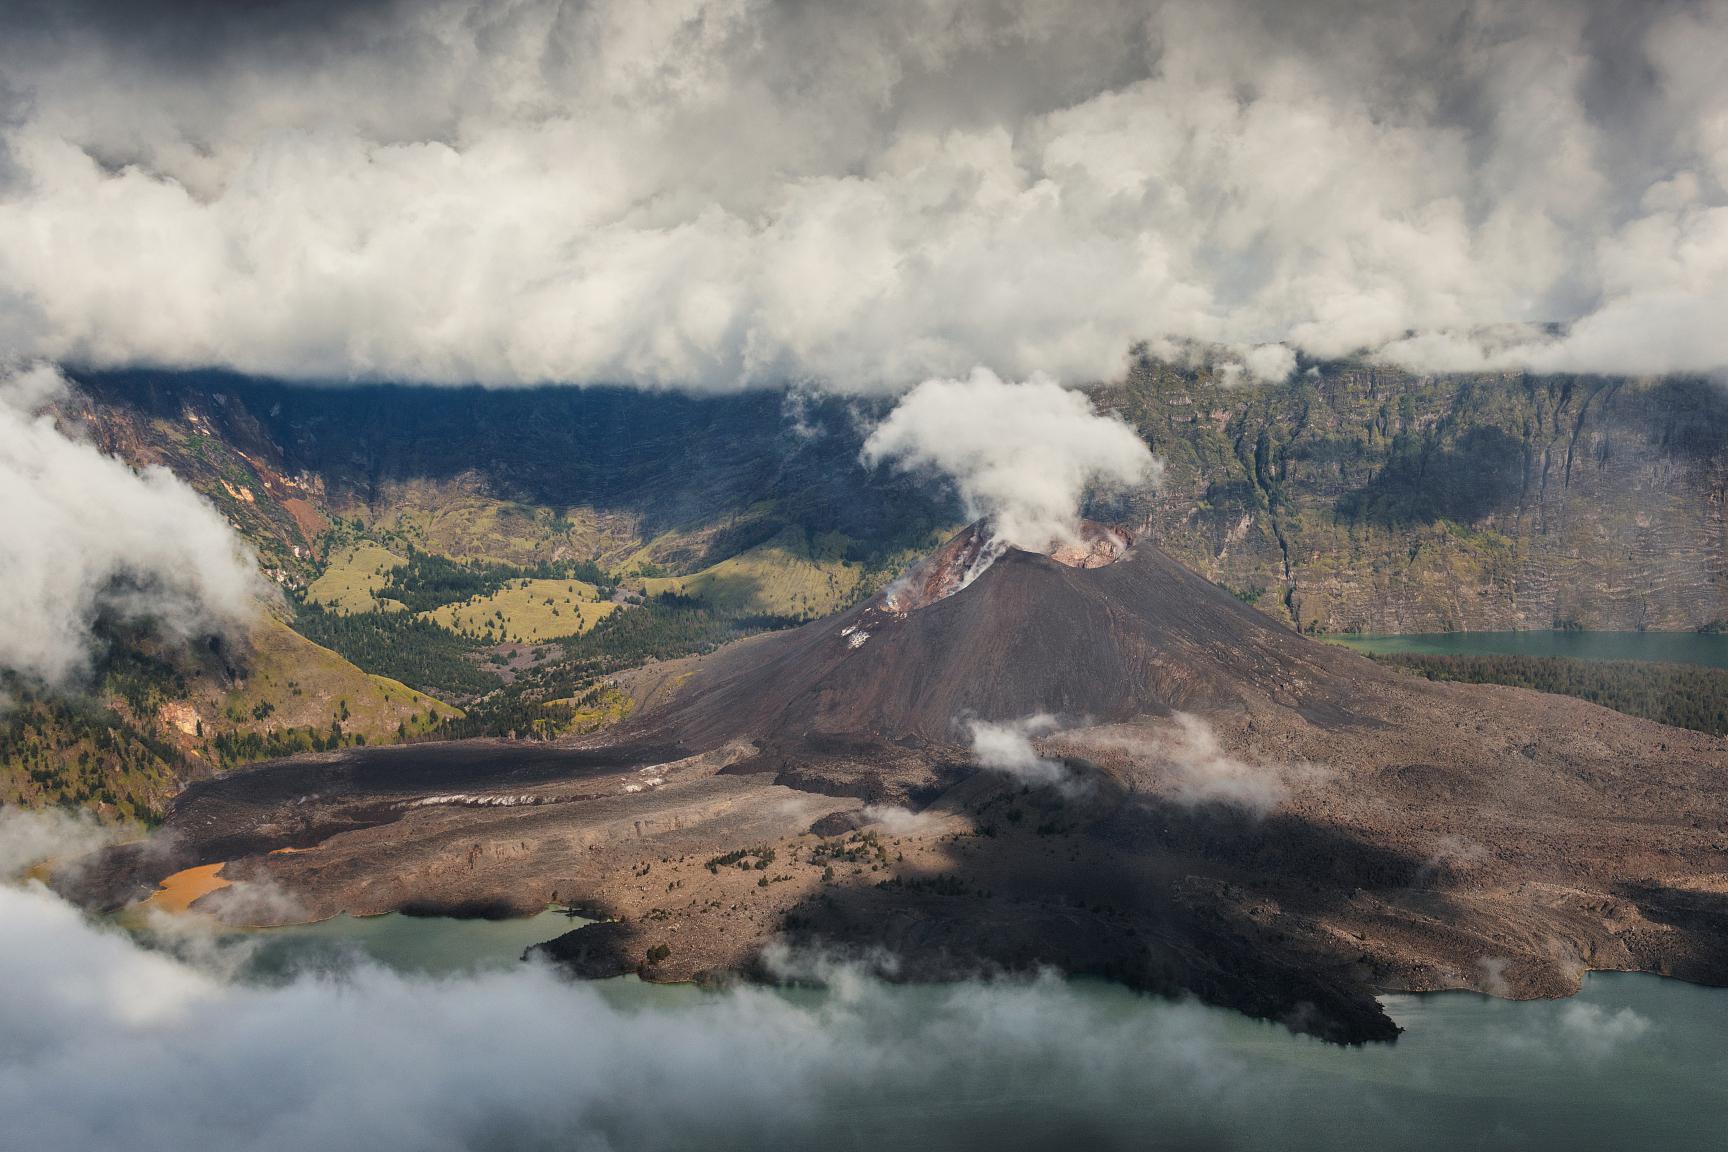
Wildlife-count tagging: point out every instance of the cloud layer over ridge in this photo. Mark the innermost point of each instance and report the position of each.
(718, 193)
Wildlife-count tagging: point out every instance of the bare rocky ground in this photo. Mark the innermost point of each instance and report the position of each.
(1238, 813)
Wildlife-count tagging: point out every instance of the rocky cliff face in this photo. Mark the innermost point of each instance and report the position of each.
(1359, 498)
(1352, 498)
(519, 475)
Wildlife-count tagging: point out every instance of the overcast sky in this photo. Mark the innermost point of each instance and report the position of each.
(720, 194)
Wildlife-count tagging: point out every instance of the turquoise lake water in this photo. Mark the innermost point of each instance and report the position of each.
(1633, 1062)
(420, 946)
(1666, 647)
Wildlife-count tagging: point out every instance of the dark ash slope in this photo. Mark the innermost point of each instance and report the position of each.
(1405, 835)
(1139, 638)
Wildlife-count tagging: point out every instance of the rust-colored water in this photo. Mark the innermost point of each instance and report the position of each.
(177, 892)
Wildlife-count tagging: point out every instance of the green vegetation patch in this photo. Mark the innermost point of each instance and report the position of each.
(665, 627)
(793, 575)
(407, 648)
(518, 716)
(84, 752)
(426, 582)
(355, 578)
(748, 859)
(526, 611)
(1682, 695)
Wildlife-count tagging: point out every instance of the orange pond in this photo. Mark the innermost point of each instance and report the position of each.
(177, 892)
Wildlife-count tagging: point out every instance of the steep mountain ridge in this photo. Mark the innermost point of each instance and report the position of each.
(1353, 497)
(1356, 497)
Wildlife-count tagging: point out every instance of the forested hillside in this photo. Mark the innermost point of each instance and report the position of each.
(1682, 695)
(150, 716)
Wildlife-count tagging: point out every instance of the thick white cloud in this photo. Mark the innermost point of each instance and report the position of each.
(1023, 455)
(1007, 748)
(714, 193)
(29, 838)
(106, 1045)
(84, 536)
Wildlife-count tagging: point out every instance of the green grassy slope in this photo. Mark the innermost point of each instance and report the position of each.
(154, 718)
(791, 575)
(352, 577)
(528, 611)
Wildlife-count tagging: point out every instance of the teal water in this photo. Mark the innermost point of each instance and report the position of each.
(1633, 1061)
(1664, 647)
(412, 945)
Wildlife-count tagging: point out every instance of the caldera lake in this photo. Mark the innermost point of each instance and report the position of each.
(1632, 1061)
(1663, 647)
(412, 945)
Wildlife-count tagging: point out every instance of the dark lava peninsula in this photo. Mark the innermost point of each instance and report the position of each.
(1097, 763)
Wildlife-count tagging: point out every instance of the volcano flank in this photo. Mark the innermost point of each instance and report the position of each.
(1120, 642)
(1220, 807)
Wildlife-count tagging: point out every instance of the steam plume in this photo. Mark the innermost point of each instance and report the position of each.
(1007, 748)
(1185, 760)
(1023, 455)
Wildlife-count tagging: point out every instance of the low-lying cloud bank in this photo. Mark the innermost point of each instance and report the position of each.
(105, 1044)
(87, 538)
(713, 193)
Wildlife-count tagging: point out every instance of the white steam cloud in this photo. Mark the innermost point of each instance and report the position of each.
(1186, 761)
(56, 836)
(1007, 748)
(898, 821)
(1202, 772)
(710, 193)
(1022, 454)
(83, 536)
(1600, 1032)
